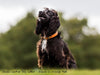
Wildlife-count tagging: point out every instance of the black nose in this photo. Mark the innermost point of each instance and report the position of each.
(40, 13)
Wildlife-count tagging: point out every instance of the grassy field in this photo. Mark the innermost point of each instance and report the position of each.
(50, 72)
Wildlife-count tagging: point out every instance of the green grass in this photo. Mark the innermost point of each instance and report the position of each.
(50, 72)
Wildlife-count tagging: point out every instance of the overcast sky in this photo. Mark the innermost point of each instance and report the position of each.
(13, 10)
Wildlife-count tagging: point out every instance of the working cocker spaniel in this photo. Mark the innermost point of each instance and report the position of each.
(51, 49)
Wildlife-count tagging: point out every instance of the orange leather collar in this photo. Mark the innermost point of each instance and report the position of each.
(52, 36)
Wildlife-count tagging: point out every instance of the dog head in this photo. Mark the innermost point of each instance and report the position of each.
(47, 22)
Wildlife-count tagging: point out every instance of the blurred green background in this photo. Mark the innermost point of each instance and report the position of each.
(18, 45)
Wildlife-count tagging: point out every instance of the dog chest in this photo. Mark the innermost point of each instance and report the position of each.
(44, 44)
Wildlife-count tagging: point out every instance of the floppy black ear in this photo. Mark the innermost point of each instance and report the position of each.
(40, 25)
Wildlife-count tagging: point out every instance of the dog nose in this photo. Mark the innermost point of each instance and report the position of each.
(40, 13)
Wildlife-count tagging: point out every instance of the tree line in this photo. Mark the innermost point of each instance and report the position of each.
(18, 45)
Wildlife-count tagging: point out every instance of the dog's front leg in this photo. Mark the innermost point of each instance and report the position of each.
(43, 60)
(42, 56)
(39, 54)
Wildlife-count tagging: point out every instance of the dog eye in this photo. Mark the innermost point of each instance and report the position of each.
(50, 14)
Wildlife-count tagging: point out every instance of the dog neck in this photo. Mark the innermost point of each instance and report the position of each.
(52, 36)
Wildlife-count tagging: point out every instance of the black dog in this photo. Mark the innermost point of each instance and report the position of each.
(51, 49)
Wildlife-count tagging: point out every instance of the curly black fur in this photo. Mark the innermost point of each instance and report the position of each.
(57, 53)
